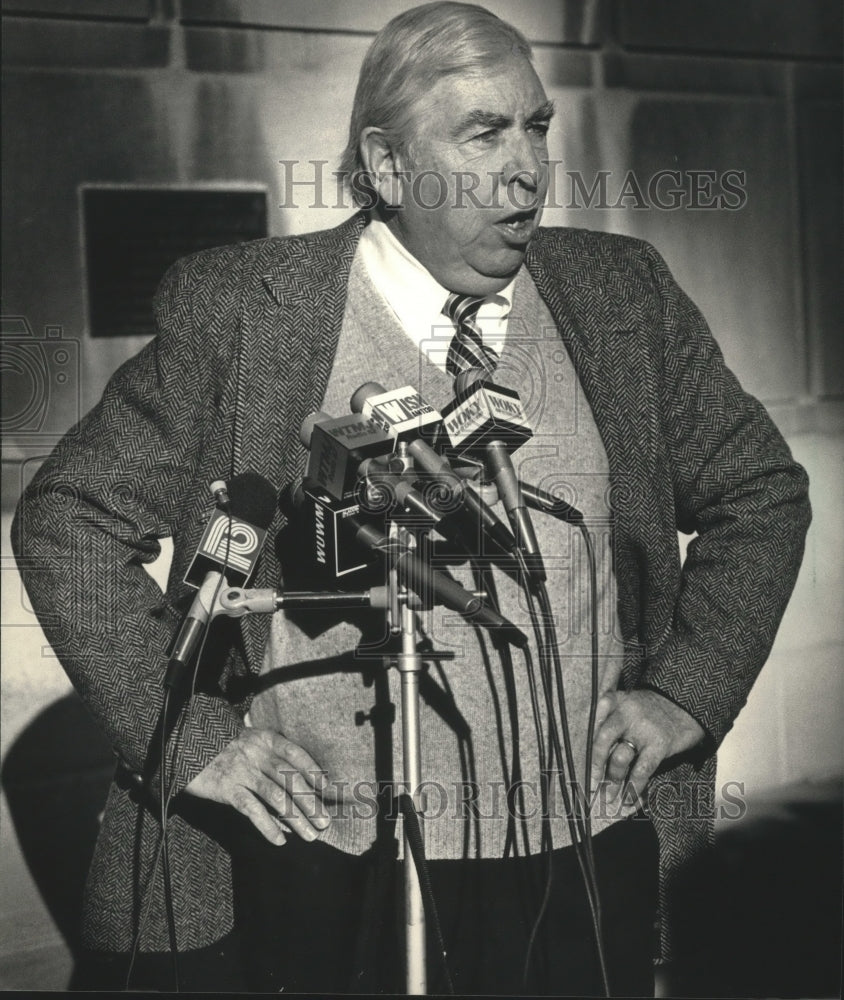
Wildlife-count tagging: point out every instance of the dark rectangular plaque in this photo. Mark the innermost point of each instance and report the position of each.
(132, 235)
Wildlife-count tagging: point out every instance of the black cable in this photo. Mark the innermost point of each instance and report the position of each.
(586, 793)
(485, 582)
(571, 816)
(546, 848)
(554, 746)
(591, 882)
(466, 753)
(585, 830)
(551, 640)
(147, 894)
(593, 700)
(417, 850)
(546, 843)
(185, 719)
(165, 851)
(576, 832)
(161, 858)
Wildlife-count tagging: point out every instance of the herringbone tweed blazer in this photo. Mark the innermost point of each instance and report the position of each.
(246, 339)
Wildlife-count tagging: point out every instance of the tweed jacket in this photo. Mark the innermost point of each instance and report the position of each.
(245, 344)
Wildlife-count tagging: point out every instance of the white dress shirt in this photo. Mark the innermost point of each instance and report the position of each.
(417, 298)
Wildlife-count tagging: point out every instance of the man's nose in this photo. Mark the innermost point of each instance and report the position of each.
(523, 167)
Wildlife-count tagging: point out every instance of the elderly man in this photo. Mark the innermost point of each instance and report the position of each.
(632, 409)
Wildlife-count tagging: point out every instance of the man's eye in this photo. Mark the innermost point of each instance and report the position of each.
(487, 137)
(539, 128)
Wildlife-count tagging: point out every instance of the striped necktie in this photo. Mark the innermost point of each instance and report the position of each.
(466, 350)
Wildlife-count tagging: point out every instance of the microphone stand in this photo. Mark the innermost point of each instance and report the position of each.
(399, 603)
(409, 664)
(402, 624)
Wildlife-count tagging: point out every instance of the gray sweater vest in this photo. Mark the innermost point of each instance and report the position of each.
(320, 694)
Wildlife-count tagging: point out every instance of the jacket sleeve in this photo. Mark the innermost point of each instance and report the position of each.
(92, 517)
(738, 488)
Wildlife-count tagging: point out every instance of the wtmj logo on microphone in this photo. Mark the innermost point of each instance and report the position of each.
(229, 544)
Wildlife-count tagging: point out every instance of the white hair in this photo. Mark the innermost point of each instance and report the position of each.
(408, 56)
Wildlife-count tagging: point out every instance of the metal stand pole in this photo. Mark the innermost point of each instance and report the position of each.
(402, 622)
(409, 664)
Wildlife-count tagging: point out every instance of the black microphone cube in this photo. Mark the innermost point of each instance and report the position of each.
(335, 555)
(339, 446)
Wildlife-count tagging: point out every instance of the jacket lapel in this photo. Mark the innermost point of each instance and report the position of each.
(578, 301)
(606, 348)
(291, 327)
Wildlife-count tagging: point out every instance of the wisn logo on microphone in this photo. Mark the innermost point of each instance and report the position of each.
(228, 542)
(402, 413)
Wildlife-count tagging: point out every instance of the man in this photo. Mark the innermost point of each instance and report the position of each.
(449, 124)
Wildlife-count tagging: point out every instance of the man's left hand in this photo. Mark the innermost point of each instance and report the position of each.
(656, 728)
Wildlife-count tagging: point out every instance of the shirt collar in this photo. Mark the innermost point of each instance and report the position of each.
(417, 298)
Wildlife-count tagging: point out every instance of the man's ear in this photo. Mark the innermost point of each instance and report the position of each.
(382, 164)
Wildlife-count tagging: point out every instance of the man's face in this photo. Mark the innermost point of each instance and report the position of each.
(478, 176)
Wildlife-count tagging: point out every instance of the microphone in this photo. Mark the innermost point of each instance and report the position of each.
(547, 503)
(220, 493)
(401, 413)
(431, 585)
(318, 521)
(488, 421)
(228, 552)
(238, 536)
(483, 412)
(374, 399)
(340, 449)
(338, 446)
(453, 517)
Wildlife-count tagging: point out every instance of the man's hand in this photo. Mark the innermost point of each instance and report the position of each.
(655, 726)
(276, 784)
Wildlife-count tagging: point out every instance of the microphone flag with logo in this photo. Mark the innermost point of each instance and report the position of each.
(235, 540)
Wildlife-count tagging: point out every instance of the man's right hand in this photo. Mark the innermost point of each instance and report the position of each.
(276, 784)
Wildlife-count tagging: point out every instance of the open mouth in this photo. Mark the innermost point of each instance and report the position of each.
(518, 225)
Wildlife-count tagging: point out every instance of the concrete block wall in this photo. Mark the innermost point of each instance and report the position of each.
(257, 93)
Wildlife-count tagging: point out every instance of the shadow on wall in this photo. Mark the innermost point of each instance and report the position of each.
(56, 777)
(761, 915)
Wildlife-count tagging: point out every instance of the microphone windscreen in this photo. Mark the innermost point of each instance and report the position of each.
(362, 393)
(253, 499)
(307, 429)
(290, 500)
